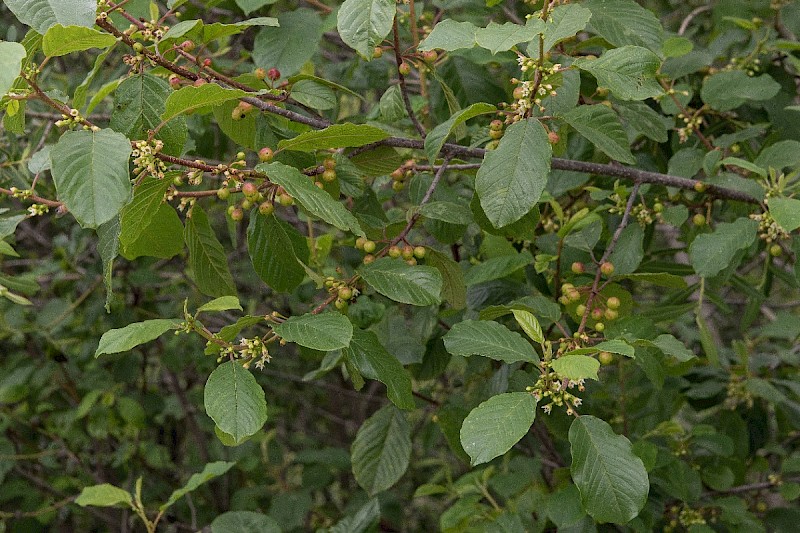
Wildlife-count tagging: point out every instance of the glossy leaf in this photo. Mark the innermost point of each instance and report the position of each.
(503, 37)
(564, 22)
(132, 335)
(336, 136)
(191, 99)
(576, 366)
(62, 40)
(623, 22)
(374, 362)
(786, 212)
(244, 522)
(103, 495)
(730, 89)
(529, 324)
(276, 250)
(628, 72)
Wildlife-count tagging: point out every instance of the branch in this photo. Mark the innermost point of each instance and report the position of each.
(403, 89)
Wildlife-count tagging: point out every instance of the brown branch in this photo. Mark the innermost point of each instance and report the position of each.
(403, 89)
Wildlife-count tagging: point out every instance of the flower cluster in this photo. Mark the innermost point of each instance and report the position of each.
(555, 388)
(768, 229)
(145, 160)
(73, 120)
(254, 349)
(691, 124)
(738, 394)
(529, 93)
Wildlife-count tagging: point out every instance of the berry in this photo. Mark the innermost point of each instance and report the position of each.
(377, 53)
(613, 302)
(369, 258)
(610, 314)
(274, 74)
(266, 208)
(138, 48)
(411, 262)
(605, 358)
(429, 56)
(329, 175)
(223, 193)
(496, 125)
(495, 134)
(578, 268)
(599, 327)
(249, 189)
(407, 252)
(419, 252)
(329, 163)
(573, 295)
(266, 154)
(519, 93)
(207, 62)
(237, 113)
(658, 207)
(340, 304)
(597, 313)
(552, 137)
(345, 293)
(285, 200)
(580, 310)
(607, 268)
(775, 250)
(566, 287)
(260, 73)
(369, 246)
(397, 186)
(175, 82)
(404, 69)
(699, 186)
(398, 175)
(237, 214)
(187, 46)
(699, 220)
(199, 82)
(394, 252)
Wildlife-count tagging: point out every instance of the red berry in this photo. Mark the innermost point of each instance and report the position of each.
(206, 62)
(578, 268)
(249, 189)
(266, 154)
(273, 74)
(187, 46)
(607, 268)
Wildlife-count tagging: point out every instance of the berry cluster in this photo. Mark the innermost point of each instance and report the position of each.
(402, 174)
(344, 293)
(555, 388)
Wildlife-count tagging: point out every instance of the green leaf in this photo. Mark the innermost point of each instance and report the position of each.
(132, 335)
(90, 170)
(512, 177)
(314, 95)
(314, 200)
(497, 267)
(290, 46)
(162, 237)
(710, 253)
(324, 332)
(391, 105)
(529, 324)
(374, 362)
(42, 15)
(673, 347)
(207, 258)
(629, 251)
(628, 72)
(453, 287)
(438, 135)
(190, 99)
(363, 24)
(576, 366)
(642, 119)
(450, 35)
(244, 521)
(205, 33)
(136, 216)
(60, 40)
(612, 480)
(564, 22)
(622, 22)
(108, 247)
(381, 450)
(503, 37)
(11, 57)
(276, 249)
(223, 303)
(488, 339)
(414, 285)
(337, 136)
(139, 102)
(786, 212)
(492, 428)
(730, 89)
(210, 471)
(618, 346)
(601, 126)
(449, 212)
(104, 495)
(235, 401)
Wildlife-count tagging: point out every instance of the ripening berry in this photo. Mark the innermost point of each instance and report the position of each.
(404, 69)
(607, 268)
(495, 134)
(411, 262)
(266, 208)
(419, 252)
(613, 302)
(597, 313)
(775, 250)
(407, 251)
(199, 82)
(329, 175)
(266, 154)
(175, 82)
(496, 125)
(260, 73)
(699, 186)
(377, 53)
(519, 93)
(360, 243)
(552, 137)
(249, 189)
(187, 46)
(206, 62)
(237, 214)
(329, 163)
(573, 295)
(610, 314)
(345, 293)
(605, 358)
(699, 220)
(578, 268)
(394, 252)
(285, 200)
(370, 246)
(274, 74)
(599, 327)
(429, 56)
(223, 193)
(369, 258)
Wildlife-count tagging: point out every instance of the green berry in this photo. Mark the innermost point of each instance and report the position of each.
(369, 246)
(419, 252)
(613, 302)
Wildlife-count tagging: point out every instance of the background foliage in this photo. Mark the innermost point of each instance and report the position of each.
(458, 266)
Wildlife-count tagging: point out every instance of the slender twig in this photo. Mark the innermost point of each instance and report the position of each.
(403, 89)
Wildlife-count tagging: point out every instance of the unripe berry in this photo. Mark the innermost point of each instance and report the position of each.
(231, 209)
(411, 262)
(699, 220)
(404, 69)
(429, 56)
(394, 252)
(610, 314)
(775, 250)
(699, 186)
(187, 46)
(519, 93)
(369, 246)
(578, 268)
(397, 186)
(580, 310)
(237, 214)
(565, 287)
(419, 252)
(285, 200)
(607, 268)
(138, 48)
(613, 302)
(260, 73)
(274, 74)
(329, 175)
(369, 258)
(658, 207)
(407, 252)
(266, 208)
(599, 327)
(249, 189)
(266, 154)
(223, 193)
(377, 53)
(605, 358)
(345, 293)
(398, 175)
(340, 304)
(573, 295)
(495, 134)
(329, 163)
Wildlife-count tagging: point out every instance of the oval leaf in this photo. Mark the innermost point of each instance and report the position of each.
(363, 24)
(492, 428)
(374, 362)
(132, 335)
(414, 285)
(576, 366)
(104, 495)
(11, 56)
(488, 339)
(337, 136)
(381, 450)
(235, 401)
(324, 332)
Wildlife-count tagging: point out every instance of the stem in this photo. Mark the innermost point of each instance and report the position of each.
(403, 89)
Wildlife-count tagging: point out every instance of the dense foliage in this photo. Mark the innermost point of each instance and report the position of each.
(460, 266)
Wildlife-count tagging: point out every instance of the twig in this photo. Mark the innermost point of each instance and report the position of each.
(403, 89)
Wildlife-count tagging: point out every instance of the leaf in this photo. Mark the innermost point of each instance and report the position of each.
(139, 102)
(205, 33)
(453, 287)
(503, 37)
(642, 119)
(612, 480)
(488, 339)
(450, 35)
(136, 216)
(618, 346)
(730, 89)
(492, 428)
(324, 332)
(622, 22)
(190, 99)
(244, 521)
(497, 267)
(529, 324)
(391, 105)
(449, 212)
(363, 24)
(223, 303)
(438, 135)
(90, 170)
(786, 212)
(576, 366)
(162, 237)
(210, 471)
(235, 401)
(414, 285)
(314, 200)
(276, 249)
(11, 57)
(628, 72)
(42, 15)
(601, 126)
(207, 258)
(132, 335)
(337, 136)
(108, 247)
(512, 178)
(290, 46)
(629, 251)
(381, 450)
(374, 362)
(314, 95)
(104, 495)
(564, 22)
(710, 253)
(673, 347)
(60, 40)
